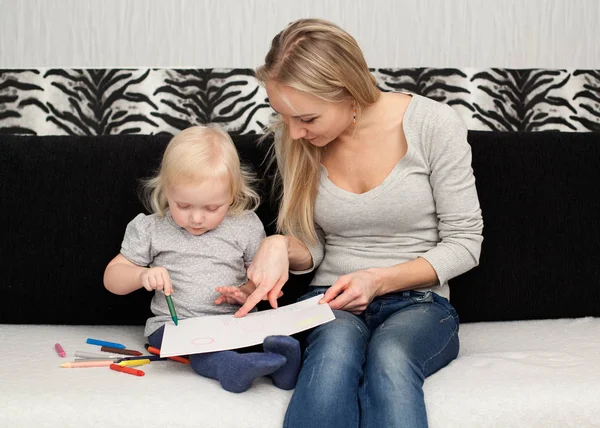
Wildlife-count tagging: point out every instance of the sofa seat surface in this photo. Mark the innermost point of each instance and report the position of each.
(525, 374)
(36, 392)
(509, 374)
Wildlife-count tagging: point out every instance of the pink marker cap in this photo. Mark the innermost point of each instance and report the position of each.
(60, 350)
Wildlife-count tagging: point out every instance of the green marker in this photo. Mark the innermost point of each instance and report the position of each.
(172, 309)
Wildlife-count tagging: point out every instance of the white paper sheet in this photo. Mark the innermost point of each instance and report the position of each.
(222, 332)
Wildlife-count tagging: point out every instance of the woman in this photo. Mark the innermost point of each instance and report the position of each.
(379, 198)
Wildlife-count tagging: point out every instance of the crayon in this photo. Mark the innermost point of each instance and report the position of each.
(155, 351)
(144, 357)
(172, 309)
(120, 351)
(103, 343)
(129, 370)
(60, 350)
(82, 360)
(95, 355)
(81, 364)
(133, 363)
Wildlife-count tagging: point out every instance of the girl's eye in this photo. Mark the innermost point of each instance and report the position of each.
(183, 207)
(308, 121)
(212, 209)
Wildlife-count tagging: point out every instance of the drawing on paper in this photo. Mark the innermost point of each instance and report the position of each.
(224, 332)
(202, 341)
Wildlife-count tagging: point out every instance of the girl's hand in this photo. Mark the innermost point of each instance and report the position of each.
(156, 278)
(236, 295)
(269, 271)
(353, 292)
(231, 294)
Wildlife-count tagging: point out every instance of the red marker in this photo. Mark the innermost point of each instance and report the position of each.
(60, 350)
(128, 370)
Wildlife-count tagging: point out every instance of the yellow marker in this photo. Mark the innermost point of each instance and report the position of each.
(133, 363)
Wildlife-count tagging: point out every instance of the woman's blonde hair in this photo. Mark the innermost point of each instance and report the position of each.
(319, 58)
(198, 153)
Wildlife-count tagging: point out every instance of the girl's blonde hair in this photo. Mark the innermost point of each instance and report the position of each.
(198, 153)
(319, 58)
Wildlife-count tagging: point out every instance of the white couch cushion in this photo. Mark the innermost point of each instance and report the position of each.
(515, 374)
(525, 374)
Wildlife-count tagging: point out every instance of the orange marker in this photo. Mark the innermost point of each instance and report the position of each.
(128, 370)
(155, 351)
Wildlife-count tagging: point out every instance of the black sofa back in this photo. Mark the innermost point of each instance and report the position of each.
(66, 202)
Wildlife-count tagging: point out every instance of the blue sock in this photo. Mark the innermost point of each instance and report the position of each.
(286, 376)
(236, 371)
(155, 339)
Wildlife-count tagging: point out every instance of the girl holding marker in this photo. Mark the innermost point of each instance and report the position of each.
(195, 247)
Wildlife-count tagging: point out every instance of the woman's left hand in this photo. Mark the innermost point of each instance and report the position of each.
(353, 292)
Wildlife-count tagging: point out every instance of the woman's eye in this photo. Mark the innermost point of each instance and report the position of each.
(308, 121)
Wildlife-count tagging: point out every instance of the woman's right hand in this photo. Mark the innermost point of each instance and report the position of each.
(269, 271)
(156, 278)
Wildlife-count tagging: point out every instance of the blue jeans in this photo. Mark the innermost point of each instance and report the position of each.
(368, 370)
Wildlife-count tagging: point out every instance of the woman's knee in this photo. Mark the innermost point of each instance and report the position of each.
(421, 349)
(346, 333)
(335, 352)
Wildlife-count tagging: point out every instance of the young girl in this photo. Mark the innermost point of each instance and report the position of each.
(196, 246)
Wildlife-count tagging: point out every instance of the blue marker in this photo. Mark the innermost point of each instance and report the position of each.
(103, 343)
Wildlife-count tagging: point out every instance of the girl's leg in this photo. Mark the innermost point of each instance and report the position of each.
(286, 376)
(233, 370)
(155, 339)
(326, 392)
(416, 335)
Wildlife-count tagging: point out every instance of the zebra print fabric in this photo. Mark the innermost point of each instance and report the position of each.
(156, 101)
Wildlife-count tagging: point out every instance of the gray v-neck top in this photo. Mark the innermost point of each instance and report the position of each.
(426, 207)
